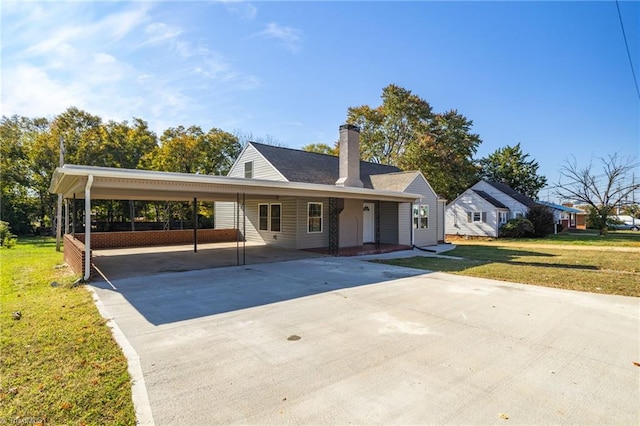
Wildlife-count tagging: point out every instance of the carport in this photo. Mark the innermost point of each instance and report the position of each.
(103, 183)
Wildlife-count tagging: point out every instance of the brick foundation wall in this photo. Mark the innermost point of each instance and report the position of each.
(74, 253)
(101, 240)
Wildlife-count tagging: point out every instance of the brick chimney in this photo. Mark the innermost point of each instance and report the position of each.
(349, 156)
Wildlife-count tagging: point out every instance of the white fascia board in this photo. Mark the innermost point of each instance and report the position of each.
(134, 183)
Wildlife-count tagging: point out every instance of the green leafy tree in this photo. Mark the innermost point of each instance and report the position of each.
(321, 148)
(511, 166)
(541, 217)
(18, 206)
(602, 189)
(387, 130)
(445, 154)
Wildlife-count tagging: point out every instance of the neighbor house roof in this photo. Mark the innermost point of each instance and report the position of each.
(561, 207)
(521, 198)
(398, 181)
(490, 199)
(311, 167)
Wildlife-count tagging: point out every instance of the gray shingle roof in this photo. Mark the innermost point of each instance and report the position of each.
(512, 193)
(393, 181)
(311, 167)
(490, 199)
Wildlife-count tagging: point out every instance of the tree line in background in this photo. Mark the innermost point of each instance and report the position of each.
(403, 131)
(29, 154)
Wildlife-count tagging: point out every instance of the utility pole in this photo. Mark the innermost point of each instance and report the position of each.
(59, 212)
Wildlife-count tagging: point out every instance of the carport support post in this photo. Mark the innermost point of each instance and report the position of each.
(195, 225)
(87, 228)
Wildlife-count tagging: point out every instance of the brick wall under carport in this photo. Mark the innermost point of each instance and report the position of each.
(74, 247)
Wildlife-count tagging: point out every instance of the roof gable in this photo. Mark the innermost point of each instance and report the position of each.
(489, 199)
(311, 167)
(507, 190)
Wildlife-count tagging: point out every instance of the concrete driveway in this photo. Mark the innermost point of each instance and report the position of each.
(343, 341)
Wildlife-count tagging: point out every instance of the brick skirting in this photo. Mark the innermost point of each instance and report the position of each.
(74, 247)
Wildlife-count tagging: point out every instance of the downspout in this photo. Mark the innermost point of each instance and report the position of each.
(87, 228)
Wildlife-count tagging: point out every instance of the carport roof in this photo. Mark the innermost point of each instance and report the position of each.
(129, 184)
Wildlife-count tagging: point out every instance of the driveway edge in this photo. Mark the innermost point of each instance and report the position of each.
(138, 388)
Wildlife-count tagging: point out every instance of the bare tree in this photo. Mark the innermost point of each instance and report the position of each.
(601, 191)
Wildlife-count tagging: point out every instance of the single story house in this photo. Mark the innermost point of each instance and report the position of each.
(276, 195)
(310, 221)
(567, 216)
(483, 208)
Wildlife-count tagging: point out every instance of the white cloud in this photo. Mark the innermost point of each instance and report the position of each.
(159, 32)
(290, 37)
(244, 10)
(116, 60)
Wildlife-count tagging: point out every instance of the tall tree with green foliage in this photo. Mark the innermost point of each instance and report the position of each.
(403, 131)
(387, 130)
(17, 204)
(511, 166)
(445, 154)
(321, 148)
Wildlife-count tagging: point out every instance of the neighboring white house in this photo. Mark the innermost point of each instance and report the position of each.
(306, 221)
(483, 208)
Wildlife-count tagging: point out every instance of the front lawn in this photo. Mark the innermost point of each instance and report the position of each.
(597, 269)
(59, 363)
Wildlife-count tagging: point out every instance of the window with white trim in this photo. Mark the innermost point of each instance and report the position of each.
(248, 170)
(503, 217)
(314, 217)
(420, 216)
(269, 217)
(476, 217)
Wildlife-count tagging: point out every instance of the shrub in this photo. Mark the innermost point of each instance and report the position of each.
(7, 239)
(517, 228)
(541, 217)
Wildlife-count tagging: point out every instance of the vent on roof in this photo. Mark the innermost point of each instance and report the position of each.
(349, 156)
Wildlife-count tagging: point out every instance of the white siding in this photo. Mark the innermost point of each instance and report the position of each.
(404, 223)
(262, 169)
(429, 236)
(287, 235)
(312, 240)
(224, 215)
(456, 216)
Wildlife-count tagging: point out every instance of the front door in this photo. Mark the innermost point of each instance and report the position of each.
(368, 223)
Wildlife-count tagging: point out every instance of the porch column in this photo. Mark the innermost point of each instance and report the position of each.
(67, 216)
(195, 225)
(87, 228)
(377, 220)
(334, 232)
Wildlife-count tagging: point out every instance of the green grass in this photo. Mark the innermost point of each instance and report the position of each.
(574, 238)
(59, 363)
(597, 269)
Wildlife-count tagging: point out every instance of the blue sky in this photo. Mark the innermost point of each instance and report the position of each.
(553, 76)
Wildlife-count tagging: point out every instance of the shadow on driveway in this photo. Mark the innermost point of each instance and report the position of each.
(172, 297)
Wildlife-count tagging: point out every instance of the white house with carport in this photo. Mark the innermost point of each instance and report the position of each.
(297, 214)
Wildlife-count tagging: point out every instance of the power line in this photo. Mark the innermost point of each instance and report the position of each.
(624, 35)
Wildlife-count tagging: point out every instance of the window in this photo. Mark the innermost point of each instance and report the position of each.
(476, 217)
(263, 210)
(275, 217)
(519, 215)
(503, 217)
(248, 170)
(420, 216)
(314, 218)
(269, 217)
